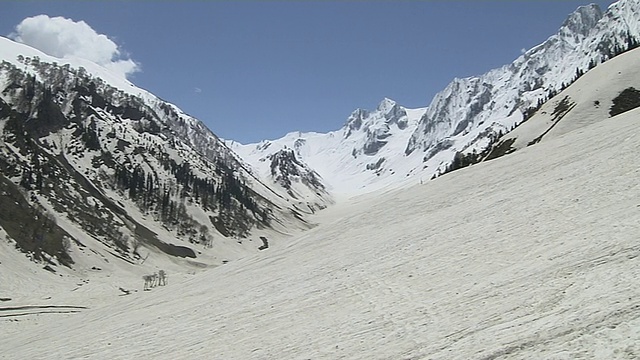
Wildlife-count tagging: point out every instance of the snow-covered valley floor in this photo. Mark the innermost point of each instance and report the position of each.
(532, 256)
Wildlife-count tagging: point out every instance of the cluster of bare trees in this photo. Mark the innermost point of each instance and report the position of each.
(156, 279)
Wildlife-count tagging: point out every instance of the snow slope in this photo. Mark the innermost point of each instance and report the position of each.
(9, 50)
(531, 256)
(588, 100)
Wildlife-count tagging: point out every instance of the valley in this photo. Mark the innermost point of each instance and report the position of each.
(500, 221)
(532, 255)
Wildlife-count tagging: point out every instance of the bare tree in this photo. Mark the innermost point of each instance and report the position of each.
(148, 282)
(162, 278)
(156, 279)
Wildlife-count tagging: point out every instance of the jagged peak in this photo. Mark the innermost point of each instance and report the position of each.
(391, 110)
(388, 111)
(582, 20)
(354, 121)
(386, 105)
(358, 113)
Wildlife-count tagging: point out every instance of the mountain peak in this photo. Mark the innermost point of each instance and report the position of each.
(354, 122)
(385, 105)
(583, 19)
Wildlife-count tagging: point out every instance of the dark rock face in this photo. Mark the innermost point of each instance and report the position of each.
(285, 168)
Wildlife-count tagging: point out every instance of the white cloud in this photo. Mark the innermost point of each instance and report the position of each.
(62, 37)
(523, 50)
(197, 90)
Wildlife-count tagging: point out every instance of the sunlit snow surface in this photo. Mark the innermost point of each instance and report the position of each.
(531, 256)
(534, 255)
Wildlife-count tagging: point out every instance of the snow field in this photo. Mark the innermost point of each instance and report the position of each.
(534, 255)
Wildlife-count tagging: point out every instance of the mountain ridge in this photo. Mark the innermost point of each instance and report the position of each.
(468, 116)
(138, 173)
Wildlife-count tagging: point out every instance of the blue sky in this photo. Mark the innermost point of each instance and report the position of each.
(253, 70)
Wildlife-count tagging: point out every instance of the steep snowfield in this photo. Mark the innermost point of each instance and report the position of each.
(531, 256)
(588, 100)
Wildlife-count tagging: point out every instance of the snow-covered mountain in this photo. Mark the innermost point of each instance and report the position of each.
(92, 166)
(394, 146)
(531, 256)
(300, 182)
(605, 91)
(362, 156)
(496, 101)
